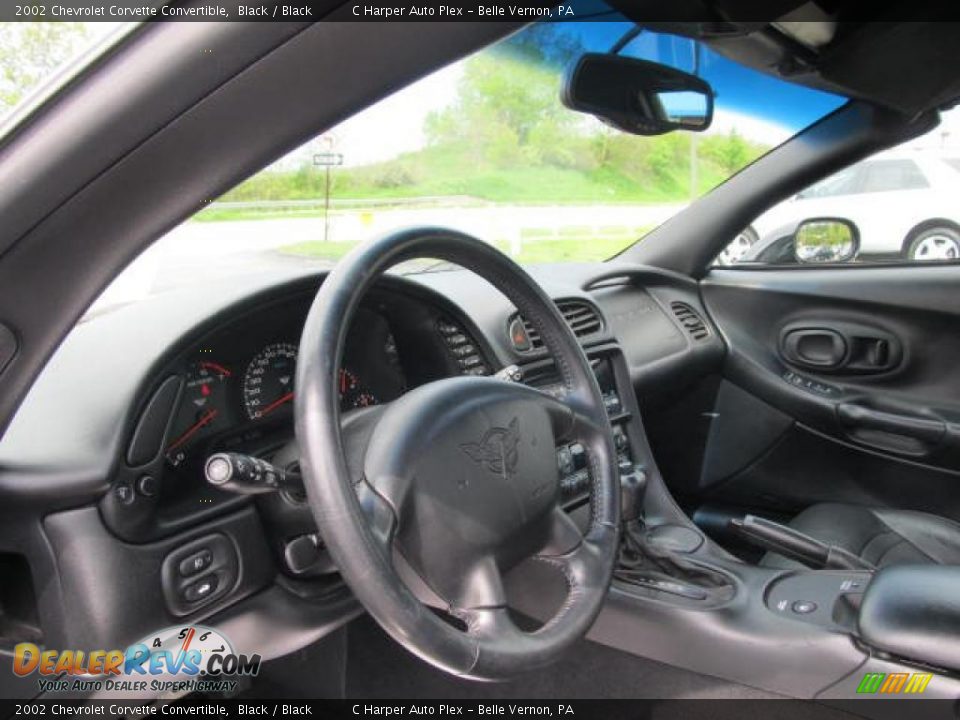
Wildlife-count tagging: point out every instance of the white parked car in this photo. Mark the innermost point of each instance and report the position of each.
(906, 205)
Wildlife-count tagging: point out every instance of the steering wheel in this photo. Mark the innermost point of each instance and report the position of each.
(459, 478)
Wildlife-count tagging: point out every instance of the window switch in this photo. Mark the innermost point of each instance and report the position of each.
(195, 563)
(201, 589)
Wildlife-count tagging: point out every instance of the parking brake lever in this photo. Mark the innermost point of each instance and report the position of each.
(796, 545)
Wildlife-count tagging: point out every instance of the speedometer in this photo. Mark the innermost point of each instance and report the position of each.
(268, 382)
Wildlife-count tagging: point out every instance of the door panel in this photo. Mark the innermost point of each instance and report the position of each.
(865, 362)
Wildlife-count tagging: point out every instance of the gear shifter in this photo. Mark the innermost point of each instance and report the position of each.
(633, 487)
(644, 564)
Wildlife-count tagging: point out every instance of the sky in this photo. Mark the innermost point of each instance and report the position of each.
(759, 107)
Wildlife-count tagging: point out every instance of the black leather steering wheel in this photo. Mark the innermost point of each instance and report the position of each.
(459, 476)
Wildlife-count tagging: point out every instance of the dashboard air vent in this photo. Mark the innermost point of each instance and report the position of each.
(462, 347)
(690, 319)
(582, 317)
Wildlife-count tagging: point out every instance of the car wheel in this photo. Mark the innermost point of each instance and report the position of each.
(935, 244)
(738, 247)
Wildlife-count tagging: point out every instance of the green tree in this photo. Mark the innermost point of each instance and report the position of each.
(30, 52)
(731, 152)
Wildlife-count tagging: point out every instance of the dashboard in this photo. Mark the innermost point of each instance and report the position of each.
(111, 441)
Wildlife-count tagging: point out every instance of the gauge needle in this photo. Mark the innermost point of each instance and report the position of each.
(217, 368)
(207, 417)
(276, 403)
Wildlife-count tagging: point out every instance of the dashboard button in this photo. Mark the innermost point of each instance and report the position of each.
(148, 486)
(804, 607)
(196, 562)
(201, 589)
(123, 491)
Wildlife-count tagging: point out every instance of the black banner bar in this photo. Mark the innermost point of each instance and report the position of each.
(300, 10)
(436, 11)
(492, 709)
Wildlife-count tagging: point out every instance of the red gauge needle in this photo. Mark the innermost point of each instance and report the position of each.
(276, 403)
(207, 417)
(217, 368)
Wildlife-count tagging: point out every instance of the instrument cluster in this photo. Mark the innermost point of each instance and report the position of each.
(241, 390)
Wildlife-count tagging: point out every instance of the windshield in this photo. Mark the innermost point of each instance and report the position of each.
(485, 146)
(35, 54)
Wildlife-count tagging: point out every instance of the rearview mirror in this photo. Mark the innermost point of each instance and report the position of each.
(636, 96)
(826, 240)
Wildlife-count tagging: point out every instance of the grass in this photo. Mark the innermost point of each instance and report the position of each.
(538, 245)
(449, 172)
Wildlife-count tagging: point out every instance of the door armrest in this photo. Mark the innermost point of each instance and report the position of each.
(913, 611)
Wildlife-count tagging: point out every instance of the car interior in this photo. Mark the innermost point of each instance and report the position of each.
(650, 477)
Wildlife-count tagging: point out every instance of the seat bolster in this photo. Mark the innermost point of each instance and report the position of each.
(936, 537)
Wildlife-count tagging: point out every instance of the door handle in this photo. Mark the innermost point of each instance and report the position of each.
(840, 347)
(817, 348)
(924, 429)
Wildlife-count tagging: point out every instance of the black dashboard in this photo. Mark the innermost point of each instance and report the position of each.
(111, 441)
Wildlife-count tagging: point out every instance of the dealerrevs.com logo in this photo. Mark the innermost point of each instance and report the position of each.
(189, 658)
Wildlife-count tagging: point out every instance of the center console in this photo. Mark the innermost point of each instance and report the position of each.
(572, 459)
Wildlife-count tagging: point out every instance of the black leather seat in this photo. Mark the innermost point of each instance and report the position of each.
(879, 535)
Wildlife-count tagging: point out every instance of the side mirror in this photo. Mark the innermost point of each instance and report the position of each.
(826, 240)
(636, 96)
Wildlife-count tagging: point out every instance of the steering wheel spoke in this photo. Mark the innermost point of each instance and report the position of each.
(381, 517)
(493, 624)
(480, 588)
(564, 535)
(580, 558)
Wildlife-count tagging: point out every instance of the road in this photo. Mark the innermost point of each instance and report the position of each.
(195, 250)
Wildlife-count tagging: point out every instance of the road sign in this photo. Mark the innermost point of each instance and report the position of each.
(326, 159)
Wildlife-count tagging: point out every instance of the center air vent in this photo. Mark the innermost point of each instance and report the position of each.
(690, 319)
(582, 317)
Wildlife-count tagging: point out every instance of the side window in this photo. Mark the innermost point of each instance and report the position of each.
(892, 175)
(844, 182)
(841, 220)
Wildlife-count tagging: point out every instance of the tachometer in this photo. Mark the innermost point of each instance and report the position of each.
(203, 401)
(352, 393)
(268, 382)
